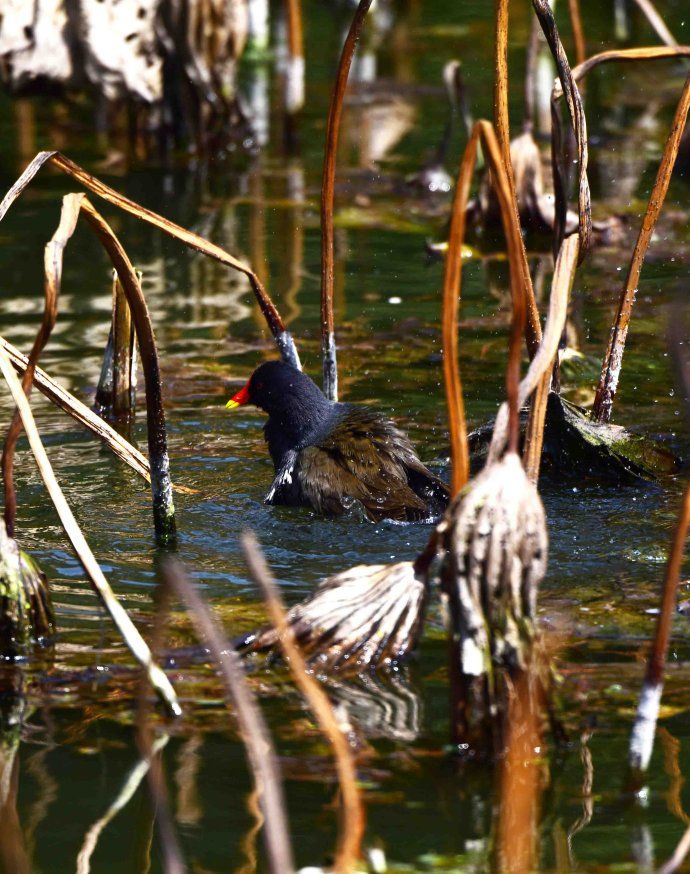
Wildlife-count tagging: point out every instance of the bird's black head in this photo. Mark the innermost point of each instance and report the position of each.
(296, 406)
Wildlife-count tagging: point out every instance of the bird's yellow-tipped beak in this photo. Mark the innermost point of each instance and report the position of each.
(242, 397)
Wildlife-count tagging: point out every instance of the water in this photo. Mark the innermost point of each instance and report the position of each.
(608, 545)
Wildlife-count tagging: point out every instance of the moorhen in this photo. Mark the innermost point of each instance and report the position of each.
(331, 456)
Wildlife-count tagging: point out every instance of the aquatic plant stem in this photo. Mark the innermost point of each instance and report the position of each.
(642, 737)
(59, 396)
(53, 253)
(578, 31)
(561, 285)
(328, 347)
(161, 485)
(482, 132)
(543, 360)
(256, 737)
(657, 22)
(118, 614)
(502, 127)
(613, 359)
(281, 335)
(352, 822)
(579, 123)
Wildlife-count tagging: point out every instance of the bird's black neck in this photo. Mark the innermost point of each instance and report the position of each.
(297, 423)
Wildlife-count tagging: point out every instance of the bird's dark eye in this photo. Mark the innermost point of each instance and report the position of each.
(260, 385)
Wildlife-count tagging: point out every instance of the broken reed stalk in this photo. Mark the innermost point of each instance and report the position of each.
(125, 795)
(52, 260)
(579, 123)
(281, 335)
(161, 485)
(59, 396)
(553, 329)
(335, 110)
(502, 128)
(352, 813)
(452, 280)
(642, 737)
(118, 614)
(261, 753)
(578, 31)
(613, 359)
(657, 22)
(561, 285)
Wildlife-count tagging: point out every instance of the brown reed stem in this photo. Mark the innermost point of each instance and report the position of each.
(161, 486)
(579, 123)
(261, 754)
(578, 31)
(352, 818)
(613, 359)
(328, 348)
(502, 128)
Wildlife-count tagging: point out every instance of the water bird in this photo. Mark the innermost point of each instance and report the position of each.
(331, 456)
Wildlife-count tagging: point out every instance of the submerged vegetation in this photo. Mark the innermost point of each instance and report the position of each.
(481, 651)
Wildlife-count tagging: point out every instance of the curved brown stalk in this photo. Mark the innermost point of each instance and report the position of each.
(328, 349)
(54, 249)
(502, 126)
(282, 336)
(613, 359)
(117, 613)
(352, 824)
(452, 281)
(579, 123)
(642, 738)
(578, 31)
(652, 53)
(161, 486)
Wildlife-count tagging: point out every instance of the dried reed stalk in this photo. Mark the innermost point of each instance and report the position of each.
(352, 819)
(553, 328)
(294, 73)
(654, 53)
(578, 31)
(642, 737)
(681, 851)
(613, 359)
(452, 280)
(579, 123)
(502, 128)
(54, 249)
(59, 396)
(282, 336)
(561, 285)
(261, 753)
(118, 614)
(328, 348)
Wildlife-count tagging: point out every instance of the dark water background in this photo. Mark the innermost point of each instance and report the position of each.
(608, 544)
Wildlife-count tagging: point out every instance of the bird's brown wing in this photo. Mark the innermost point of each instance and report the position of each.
(365, 458)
